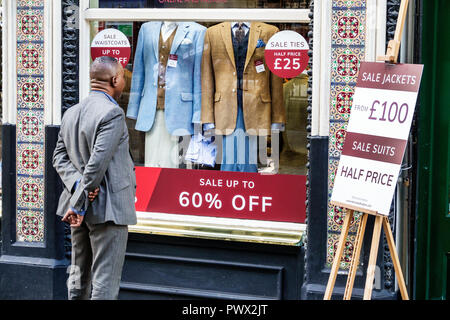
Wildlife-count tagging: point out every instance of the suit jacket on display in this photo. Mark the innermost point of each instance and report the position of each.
(262, 91)
(183, 82)
(93, 149)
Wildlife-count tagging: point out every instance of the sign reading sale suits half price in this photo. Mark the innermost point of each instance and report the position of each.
(111, 43)
(377, 133)
(286, 54)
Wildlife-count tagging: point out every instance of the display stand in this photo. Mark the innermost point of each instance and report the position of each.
(380, 220)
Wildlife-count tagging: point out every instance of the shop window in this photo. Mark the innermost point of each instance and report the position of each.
(213, 132)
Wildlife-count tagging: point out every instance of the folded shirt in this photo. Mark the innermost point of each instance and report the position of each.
(202, 150)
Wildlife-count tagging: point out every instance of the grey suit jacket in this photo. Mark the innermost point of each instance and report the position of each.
(93, 147)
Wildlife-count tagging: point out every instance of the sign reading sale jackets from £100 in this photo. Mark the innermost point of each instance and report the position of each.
(377, 133)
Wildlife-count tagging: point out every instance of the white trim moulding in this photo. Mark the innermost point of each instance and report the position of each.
(48, 62)
(316, 68)
(199, 15)
(57, 63)
(9, 77)
(325, 63)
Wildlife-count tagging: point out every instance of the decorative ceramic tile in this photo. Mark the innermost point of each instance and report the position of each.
(335, 219)
(30, 192)
(30, 58)
(30, 157)
(30, 226)
(348, 27)
(341, 101)
(30, 128)
(30, 3)
(338, 131)
(30, 25)
(332, 170)
(332, 243)
(345, 63)
(30, 92)
(349, 4)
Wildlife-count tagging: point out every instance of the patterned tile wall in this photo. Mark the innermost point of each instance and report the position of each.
(348, 36)
(30, 154)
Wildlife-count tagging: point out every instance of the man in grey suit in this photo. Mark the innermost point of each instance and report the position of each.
(93, 160)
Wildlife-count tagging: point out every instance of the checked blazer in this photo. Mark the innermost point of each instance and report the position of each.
(262, 91)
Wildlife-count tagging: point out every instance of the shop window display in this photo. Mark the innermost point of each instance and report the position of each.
(200, 97)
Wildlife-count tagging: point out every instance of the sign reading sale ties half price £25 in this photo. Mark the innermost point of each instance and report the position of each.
(377, 133)
(286, 54)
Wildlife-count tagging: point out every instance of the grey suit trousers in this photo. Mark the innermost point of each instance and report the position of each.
(98, 253)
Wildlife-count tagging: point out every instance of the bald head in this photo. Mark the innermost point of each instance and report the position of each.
(107, 75)
(104, 68)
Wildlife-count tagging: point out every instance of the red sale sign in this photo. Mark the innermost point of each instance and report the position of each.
(221, 194)
(111, 43)
(286, 54)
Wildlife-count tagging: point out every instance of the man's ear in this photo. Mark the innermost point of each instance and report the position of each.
(114, 81)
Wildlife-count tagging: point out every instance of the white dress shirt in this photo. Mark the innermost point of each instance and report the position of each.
(167, 28)
(201, 150)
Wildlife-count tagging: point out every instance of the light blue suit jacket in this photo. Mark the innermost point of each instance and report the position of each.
(183, 82)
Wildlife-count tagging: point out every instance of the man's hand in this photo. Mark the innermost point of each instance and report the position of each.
(73, 219)
(93, 194)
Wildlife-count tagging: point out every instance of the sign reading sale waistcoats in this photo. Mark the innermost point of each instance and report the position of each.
(377, 133)
(112, 43)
